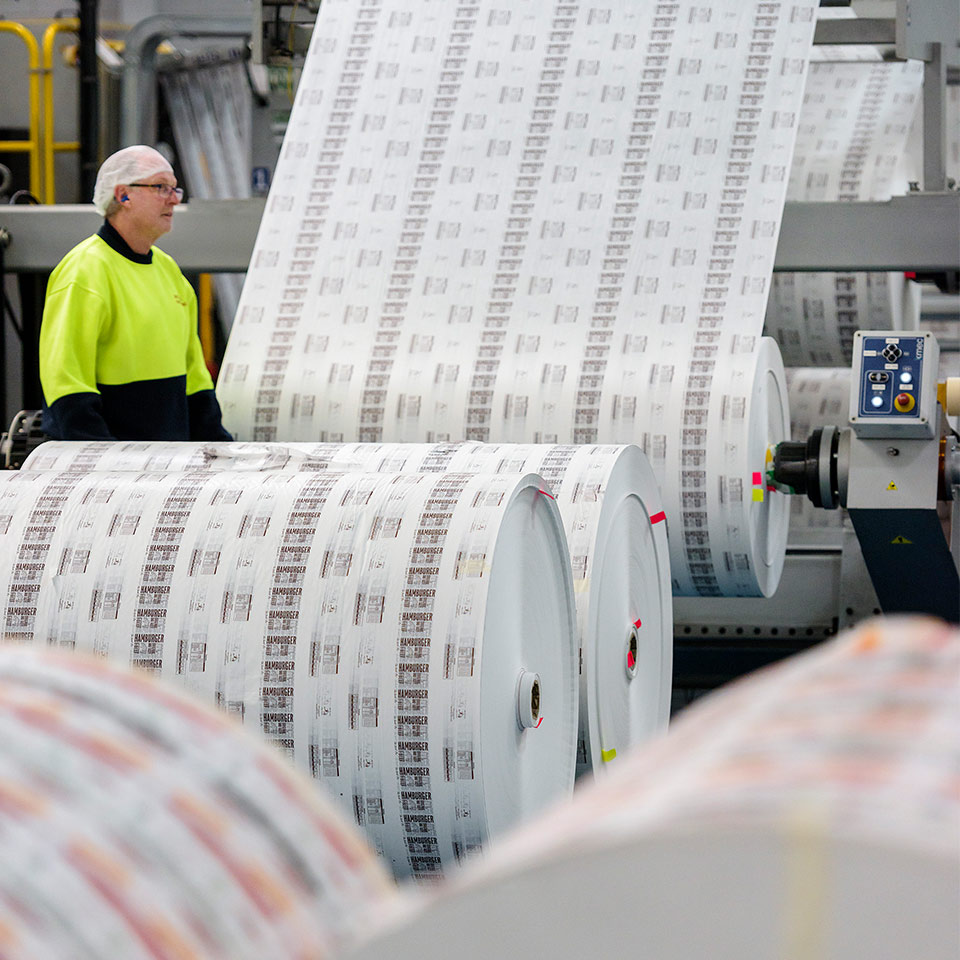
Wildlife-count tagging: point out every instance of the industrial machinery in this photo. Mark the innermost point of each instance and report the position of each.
(895, 467)
(22, 437)
(823, 589)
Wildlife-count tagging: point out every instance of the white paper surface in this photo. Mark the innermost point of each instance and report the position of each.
(615, 526)
(374, 627)
(534, 223)
(809, 810)
(859, 139)
(138, 824)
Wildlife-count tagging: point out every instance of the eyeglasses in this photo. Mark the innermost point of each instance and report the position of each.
(163, 189)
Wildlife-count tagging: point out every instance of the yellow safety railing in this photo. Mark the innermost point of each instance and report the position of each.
(51, 146)
(31, 146)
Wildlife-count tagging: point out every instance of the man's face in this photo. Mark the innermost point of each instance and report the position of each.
(146, 209)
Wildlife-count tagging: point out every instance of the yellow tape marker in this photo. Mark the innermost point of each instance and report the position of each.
(758, 495)
(608, 755)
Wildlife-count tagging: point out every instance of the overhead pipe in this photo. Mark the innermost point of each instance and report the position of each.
(138, 121)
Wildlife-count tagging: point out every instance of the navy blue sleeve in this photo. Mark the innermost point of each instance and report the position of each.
(205, 417)
(76, 416)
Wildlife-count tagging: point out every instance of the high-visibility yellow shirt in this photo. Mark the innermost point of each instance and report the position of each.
(119, 351)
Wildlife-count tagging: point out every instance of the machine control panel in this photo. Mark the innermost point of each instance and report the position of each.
(893, 387)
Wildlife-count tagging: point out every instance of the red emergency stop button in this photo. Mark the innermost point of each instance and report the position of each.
(904, 402)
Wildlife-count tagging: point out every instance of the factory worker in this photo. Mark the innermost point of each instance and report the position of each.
(119, 353)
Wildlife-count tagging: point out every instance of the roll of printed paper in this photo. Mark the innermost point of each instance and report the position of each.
(409, 639)
(139, 824)
(612, 516)
(538, 223)
(858, 140)
(820, 792)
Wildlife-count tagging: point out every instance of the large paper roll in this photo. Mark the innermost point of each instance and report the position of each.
(409, 639)
(819, 396)
(857, 141)
(615, 528)
(720, 471)
(547, 223)
(811, 810)
(139, 824)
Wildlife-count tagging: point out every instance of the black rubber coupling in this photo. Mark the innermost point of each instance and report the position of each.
(798, 465)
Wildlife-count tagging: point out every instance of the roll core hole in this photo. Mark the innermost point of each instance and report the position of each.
(633, 649)
(528, 699)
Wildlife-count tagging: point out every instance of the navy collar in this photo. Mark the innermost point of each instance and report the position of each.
(111, 236)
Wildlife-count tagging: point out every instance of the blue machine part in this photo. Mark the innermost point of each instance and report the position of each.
(891, 374)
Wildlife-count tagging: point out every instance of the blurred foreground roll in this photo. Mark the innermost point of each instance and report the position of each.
(615, 527)
(409, 639)
(135, 823)
(809, 811)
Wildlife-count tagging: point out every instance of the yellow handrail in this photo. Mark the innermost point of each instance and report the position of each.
(69, 24)
(31, 146)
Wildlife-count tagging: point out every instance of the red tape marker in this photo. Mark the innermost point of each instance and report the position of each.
(550, 495)
(657, 517)
(637, 623)
(538, 723)
(757, 478)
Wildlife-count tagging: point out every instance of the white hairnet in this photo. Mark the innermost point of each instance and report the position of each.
(128, 165)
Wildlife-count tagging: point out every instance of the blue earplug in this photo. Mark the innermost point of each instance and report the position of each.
(124, 197)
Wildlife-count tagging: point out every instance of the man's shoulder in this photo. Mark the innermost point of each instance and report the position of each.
(92, 246)
(160, 258)
(88, 258)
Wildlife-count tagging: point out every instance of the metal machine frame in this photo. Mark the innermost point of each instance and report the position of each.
(914, 232)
